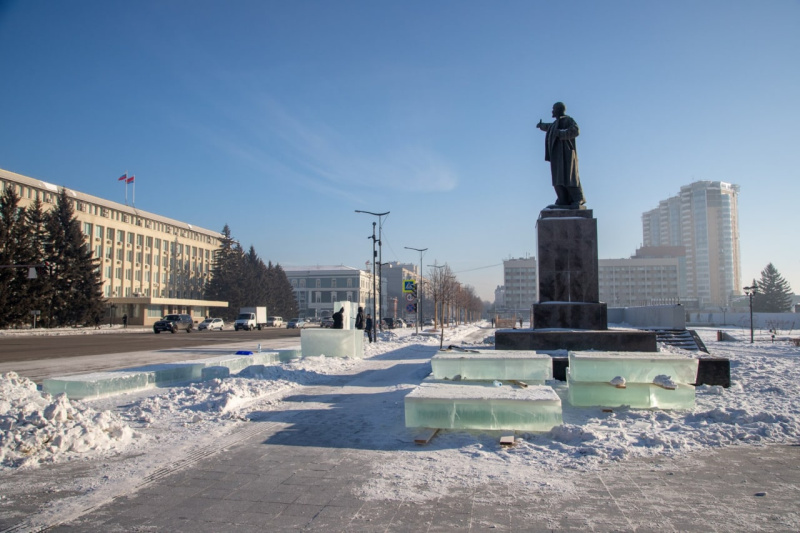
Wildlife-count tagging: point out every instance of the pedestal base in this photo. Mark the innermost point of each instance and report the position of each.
(607, 340)
(570, 315)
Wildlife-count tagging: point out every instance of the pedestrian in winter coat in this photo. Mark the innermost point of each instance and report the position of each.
(368, 325)
(360, 318)
(338, 319)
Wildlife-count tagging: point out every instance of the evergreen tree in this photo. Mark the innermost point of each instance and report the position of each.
(15, 249)
(43, 285)
(76, 296)
(774, 293)
(227, 275)
(281, 295)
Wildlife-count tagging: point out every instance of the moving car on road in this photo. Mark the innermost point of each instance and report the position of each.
(296, 323)
(211, 324)
(173, 323)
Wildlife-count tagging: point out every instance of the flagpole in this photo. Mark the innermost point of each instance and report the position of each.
(126, 186)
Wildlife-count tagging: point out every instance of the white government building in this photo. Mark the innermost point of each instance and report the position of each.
(150, 265)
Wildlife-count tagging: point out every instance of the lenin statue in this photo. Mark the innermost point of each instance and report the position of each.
(559, 149)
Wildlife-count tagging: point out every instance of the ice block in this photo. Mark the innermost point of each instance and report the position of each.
(332, 342)
(482, 406)
(527, 366)
(636, 395)
(98, 384)
(636, 367)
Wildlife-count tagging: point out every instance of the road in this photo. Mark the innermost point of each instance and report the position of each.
(41, 357)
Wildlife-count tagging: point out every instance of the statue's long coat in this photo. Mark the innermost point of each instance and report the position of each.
(559, 149)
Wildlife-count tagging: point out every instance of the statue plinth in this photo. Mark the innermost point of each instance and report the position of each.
(569, 290)
(569, 314)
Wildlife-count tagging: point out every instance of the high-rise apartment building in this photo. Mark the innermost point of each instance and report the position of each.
(521, 286)
(704, 219)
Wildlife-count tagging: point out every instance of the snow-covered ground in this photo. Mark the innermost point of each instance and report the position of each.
(146, 430)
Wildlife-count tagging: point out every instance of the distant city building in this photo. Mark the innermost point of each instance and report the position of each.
(149, 265)
(703, 219)
(500, 297)
(317, 288)
(394, 273)
(521, 284)
(641, 281)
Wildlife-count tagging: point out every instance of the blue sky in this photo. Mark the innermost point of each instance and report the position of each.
(282, 118)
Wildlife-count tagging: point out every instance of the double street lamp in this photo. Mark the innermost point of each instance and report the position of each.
(379, 255)
(419, 282)
(750, 291)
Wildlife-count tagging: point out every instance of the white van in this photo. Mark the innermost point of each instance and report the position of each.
(274, 321)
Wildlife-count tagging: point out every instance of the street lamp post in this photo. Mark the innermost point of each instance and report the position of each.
(750, 291)
(379, 254)
(419, 281)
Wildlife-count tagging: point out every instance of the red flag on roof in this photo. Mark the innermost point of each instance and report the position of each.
(130, 180)
(123, 177)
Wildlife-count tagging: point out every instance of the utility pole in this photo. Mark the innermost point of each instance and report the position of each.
(419, 282)
(376, 304)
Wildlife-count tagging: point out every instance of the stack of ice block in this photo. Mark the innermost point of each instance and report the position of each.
(480, 365)
(473, 396)
(590, 374)
(98, 384)
(482, 406)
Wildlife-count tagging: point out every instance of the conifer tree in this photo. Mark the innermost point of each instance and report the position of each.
(281, 294)
(774, 293)
(15, 249)
(227, 274)
(76, 296)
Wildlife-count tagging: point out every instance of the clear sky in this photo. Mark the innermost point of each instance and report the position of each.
(282, 118)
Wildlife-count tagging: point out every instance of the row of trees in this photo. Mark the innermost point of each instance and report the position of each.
(451, 298)
(243, 280)
(67, 288)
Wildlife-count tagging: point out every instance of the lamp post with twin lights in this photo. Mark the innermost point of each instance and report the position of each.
(378, 255)
(750, 291)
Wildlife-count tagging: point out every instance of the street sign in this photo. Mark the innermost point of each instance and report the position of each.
(409, 285)
(411, 308)
(410, 297)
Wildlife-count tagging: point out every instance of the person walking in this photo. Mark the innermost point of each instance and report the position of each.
(369, 325)
(125, 320)
(360, 318)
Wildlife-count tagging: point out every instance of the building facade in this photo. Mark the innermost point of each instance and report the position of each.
(640, 281)
(704, 219)
(521, 284)
(317, 288)
(149, 265)
(394, 274)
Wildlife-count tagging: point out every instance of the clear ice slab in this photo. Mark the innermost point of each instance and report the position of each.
(636, 367)
(99, 384)
(332, 342)
(482, 406)
(636, 395)
(527, 366)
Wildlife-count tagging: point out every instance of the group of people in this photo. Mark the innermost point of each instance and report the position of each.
(361, 322)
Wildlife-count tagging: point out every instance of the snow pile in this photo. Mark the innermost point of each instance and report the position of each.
(38, 428)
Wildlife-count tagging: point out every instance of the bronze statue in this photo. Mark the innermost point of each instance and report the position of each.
(559, 149)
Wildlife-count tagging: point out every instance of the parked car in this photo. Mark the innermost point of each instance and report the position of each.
(274, 321)
(326, 323)
(399, 323)
(296, 323)
(428, 322)
(173, 323)
(211, 324)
